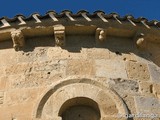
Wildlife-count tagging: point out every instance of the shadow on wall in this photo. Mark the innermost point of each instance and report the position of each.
(75, 43)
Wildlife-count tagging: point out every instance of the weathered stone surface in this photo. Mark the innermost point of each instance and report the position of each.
(123, 56)
(2, 71)
(34, 79)
(137, 71)
(80, 67)
(154, 72)
(129, 100)
(36, 74)
(15, 80)
(147, 105)
(22, 68)
(110, 69)
(71, 53)
(8, 57)
(156, 90)
(19, 96)
(1, 97)
(146, 88)
(96, 53)
(39, 82)
(38, 54)
(3, 83)
(124, 86)
(49, 65)
(109, 108)
(17, 112)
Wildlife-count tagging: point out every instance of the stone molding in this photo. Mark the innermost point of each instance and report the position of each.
(90, 92)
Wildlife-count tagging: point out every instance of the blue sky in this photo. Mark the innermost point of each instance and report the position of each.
(138, 8)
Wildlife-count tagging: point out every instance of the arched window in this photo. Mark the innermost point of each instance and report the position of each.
(80, 108)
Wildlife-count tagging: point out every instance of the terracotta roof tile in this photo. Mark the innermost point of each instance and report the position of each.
(82, 13)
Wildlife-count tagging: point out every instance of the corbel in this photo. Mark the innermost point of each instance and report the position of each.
(100, 34)
(18, 39)
(140, 40)
(59, 34)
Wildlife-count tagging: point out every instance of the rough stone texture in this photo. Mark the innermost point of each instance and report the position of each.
(124, 86)
(39, 54)
(22, 96)
(123, 56)
(156, 90)
(59, 53)
(80, 67)
(94, 53)
(36, 74)
(3, 83)
(1, 97)
(155, 73)
(109, 108)
(10, 59)
(40, 81)
(129, 100)
(146, 88)
(147, 105)
(110, 69)
(137, 71)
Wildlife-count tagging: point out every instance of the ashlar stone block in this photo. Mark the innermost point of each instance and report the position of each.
(110, 69)
(18, 96)
(98, 53)
(137, 71)
(154, 72)
(59, 53)
(124, 86)
(147, 105)
(80, 67)
(146, 88)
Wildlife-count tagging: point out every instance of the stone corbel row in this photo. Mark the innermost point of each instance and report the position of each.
(139, 38)
(59, 35)
(18, 38)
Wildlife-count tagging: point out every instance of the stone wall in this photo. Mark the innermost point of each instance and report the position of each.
(113, 78)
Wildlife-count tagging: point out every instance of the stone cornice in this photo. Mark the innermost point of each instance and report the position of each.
(98, 24)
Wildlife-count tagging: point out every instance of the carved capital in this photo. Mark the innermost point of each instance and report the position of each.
(18, 39)
(59, 34)
(140, 40)
(100, 34)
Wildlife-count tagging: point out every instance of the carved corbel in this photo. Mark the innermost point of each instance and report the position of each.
(18, 39)
(140, 40)
(100, 34)
(59, 34)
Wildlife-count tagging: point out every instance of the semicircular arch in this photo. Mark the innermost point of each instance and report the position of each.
(67, 89)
